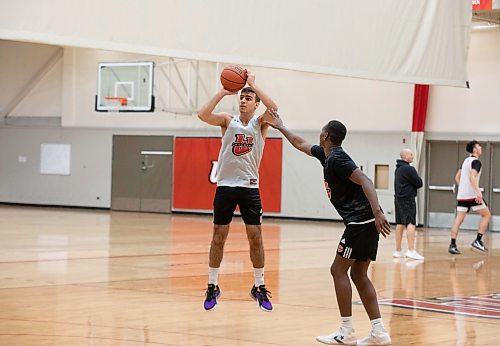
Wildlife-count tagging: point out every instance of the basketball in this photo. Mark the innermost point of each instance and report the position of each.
(233, 77)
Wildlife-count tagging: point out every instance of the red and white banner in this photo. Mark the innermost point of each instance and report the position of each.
(481, 5)
(420, 100)
(195, 160)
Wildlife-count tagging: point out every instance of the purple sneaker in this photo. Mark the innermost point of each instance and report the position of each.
(262, 295)
(212, 294)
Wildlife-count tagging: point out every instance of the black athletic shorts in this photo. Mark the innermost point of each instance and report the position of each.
(359, 242)
(227, 198)
(468, 204)
(406, 211)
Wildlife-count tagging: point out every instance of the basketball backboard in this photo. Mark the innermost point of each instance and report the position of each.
(125, 87)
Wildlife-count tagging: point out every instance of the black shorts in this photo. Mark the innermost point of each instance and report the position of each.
(359, 242)
(406, 211)
(227, 198)
(468, 204)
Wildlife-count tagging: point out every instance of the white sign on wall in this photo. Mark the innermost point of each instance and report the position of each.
(55, 159)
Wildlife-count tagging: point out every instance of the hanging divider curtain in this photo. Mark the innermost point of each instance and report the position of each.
(417, 41)
(420, 100)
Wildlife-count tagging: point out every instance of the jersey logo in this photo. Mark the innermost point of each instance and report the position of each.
(328, 191)
(242, 144)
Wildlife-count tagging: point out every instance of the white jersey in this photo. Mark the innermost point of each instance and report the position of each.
(465, 189)
(240, 154)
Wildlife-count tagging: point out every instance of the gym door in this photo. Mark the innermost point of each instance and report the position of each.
(495, 187)
(142, 173)
(442, 164)
(444, 158)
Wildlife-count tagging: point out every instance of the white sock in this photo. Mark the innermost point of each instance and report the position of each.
(213, 275)
(378, 325)
(258, 274)
(346, 322)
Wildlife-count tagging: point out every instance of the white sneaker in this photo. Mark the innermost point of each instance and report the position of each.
(413, 254)
(376, 338)
(339, 337)
(398, 254)
(477, 245)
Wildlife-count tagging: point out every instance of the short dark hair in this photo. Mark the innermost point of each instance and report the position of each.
(336, 131)
(250, 90)
(470, 146)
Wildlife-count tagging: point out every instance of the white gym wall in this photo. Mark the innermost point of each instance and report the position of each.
(377, 114)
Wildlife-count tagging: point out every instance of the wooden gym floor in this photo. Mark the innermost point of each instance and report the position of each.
(95, 277)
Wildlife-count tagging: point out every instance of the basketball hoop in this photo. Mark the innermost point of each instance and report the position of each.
(123, 100)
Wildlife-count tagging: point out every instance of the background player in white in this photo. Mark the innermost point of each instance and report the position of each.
(469, 197)
(243, 138)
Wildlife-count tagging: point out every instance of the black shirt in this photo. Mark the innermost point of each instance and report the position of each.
(406, 181)
(346, 196)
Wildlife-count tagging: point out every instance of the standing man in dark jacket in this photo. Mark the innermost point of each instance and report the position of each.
(406, 183)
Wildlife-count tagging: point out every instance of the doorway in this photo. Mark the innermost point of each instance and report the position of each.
(142, 173)
(444, 158)
(495, 187)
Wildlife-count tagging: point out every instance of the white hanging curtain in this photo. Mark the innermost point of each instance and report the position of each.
(418, 41)
(417, 144)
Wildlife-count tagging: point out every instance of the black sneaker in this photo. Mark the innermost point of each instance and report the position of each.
(262, 295)
(454, 250)
(477, 245)
(212, 294)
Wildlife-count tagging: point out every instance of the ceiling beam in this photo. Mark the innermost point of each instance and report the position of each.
(32, 83)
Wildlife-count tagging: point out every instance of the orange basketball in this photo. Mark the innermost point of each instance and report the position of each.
(233, 77)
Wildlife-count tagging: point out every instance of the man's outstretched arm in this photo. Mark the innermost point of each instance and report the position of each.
(297, 141)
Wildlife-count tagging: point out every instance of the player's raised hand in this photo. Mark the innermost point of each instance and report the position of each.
(274, 120)
(250, 78)
(227, 92)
